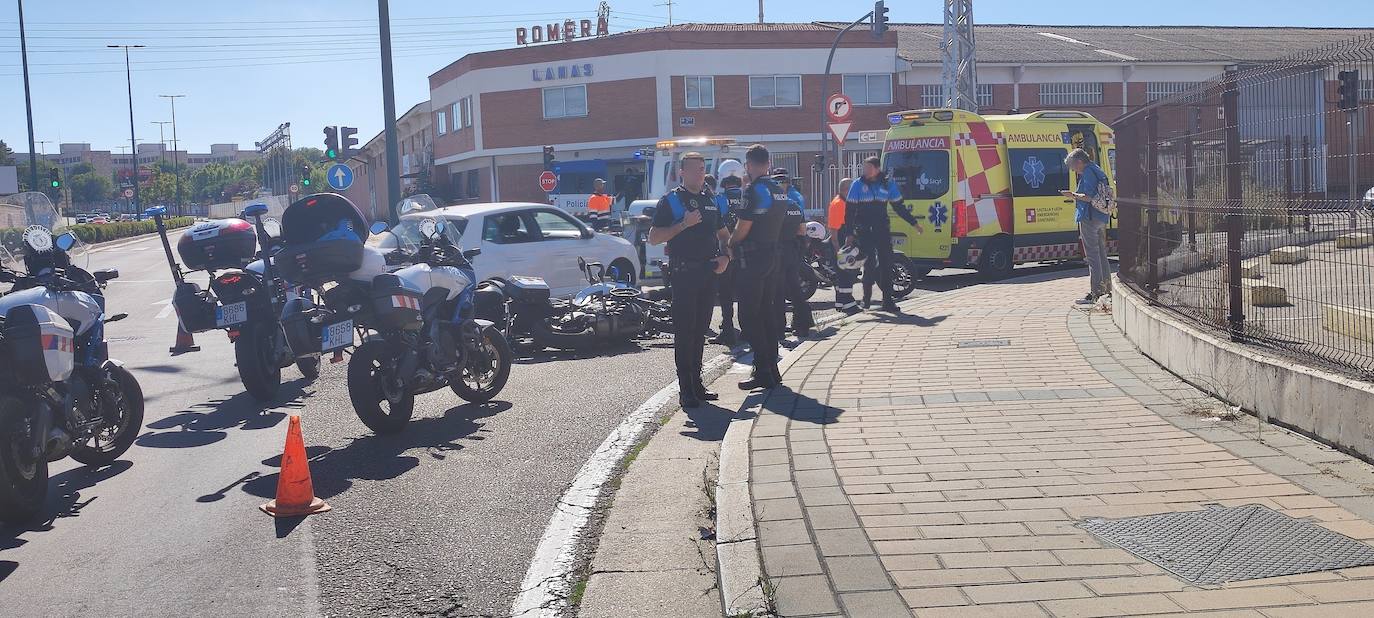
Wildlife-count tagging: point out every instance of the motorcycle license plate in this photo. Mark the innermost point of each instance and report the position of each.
(229, 315)
(337, 335)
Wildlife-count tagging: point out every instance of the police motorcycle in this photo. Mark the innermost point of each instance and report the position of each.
(412, 308)
(60, 392)
(609, 310)
(245, 296)
(819, 266)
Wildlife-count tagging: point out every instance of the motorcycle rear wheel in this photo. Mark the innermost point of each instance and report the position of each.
(257, 358)
(23, 477)
(130, 402)
(809, 284)
(492, 378)
(369, 370)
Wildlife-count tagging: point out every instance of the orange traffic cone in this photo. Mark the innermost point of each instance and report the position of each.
(295, 493)
(185, 342)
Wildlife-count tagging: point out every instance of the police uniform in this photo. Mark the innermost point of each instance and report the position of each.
(729, 201)
(790, 253)
(756, 283)
(866, 215)
(691, 254)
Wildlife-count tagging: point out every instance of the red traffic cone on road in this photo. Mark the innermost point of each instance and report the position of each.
(295, 492)
(185, 342)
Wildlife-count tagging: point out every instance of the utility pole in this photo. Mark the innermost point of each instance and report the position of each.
(669, 4)
(161, 137)
(760, 11)
(958, 69)
(133, 141)
(28, 103)
(393, 158)
(176, 154)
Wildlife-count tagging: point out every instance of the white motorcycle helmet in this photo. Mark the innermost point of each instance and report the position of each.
(815, 230)
(730, 167)
(850, 258)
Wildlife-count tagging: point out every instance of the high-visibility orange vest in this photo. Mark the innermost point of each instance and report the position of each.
(599, 202)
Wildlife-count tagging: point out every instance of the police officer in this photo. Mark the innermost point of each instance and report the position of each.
(729, 201)
(866, 209)
(791, 248)
(754, 244)
(687, 219)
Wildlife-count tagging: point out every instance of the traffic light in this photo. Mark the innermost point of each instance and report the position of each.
(305, 176)
(879, 18)
(331, 143)
(549, 159)
(55, 178)
(1349, 90)
(349, 141)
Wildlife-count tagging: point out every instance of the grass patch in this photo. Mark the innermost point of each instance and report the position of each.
(578, 589)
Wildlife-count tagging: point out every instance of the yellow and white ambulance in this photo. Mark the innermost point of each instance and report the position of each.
(986, 188)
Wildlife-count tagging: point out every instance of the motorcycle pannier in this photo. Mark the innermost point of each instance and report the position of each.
(223, 243)
(394, 305)
(38, 345)
(533, 290)
(323, 238)
(195, 308)
(302, 332)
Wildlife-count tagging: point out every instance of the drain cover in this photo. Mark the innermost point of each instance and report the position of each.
(984, 343)
(1223, 544)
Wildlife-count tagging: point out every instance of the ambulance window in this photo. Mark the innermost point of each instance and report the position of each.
(920, 174)
(1111, 161)
(1038, 172)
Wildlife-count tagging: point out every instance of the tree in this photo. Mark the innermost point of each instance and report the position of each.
(90, 187)
(6, 154)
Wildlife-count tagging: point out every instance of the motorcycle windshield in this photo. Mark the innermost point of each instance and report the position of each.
(420, 202)
(23, 211)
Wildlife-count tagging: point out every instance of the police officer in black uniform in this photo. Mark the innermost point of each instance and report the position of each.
(729, 201)
(687, 219)
(754, 244)
(865, 215)
(790, 251)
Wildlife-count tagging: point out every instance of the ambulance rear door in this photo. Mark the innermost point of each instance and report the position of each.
(921, 162)
(1044, 218)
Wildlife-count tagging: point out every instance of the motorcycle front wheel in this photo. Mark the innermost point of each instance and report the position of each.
(372, 384)
(809, 282)
(904, 277)
(122, 408)
(257, 356)
(485, 373)
(23, 473)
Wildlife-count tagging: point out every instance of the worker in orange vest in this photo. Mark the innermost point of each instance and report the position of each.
(599, 206)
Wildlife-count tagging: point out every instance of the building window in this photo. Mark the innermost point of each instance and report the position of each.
(871, 89)
(774, 91)
(1071, 93)
(701, 91)
(442, 123)
(933, 95)
(474, 184)
(1155, 91)
(466, 118)
(565, 101)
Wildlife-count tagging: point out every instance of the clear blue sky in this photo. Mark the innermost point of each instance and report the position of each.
(248, 65)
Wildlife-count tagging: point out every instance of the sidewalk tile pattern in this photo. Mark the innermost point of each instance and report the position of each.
(960, 473)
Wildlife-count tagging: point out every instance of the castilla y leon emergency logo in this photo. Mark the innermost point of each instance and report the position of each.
(1034, 172)
(939, 214)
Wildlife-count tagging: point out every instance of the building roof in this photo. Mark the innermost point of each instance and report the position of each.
(1031, 44)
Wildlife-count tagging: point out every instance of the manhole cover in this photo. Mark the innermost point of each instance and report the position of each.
(984, 343)
(1224, 544)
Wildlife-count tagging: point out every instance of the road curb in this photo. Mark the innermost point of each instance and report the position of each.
(124, 242)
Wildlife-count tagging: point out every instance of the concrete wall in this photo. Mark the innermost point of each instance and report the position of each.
(1331, 408)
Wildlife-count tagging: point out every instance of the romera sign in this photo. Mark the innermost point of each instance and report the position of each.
(567, 31)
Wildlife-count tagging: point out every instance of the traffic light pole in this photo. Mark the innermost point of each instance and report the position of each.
(28, 105)
(393, 158)
(825, 94)
(133, 141)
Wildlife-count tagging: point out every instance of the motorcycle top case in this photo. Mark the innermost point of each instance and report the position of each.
(322, 238)
(529, 289)
(222, 243)
(394, 304)
(38, 345)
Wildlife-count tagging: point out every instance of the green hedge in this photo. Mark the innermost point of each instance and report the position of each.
(93, 233)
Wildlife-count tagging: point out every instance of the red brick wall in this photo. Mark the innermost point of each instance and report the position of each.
(615, 110)
(733, 116)
(519, 183)
(454, 142)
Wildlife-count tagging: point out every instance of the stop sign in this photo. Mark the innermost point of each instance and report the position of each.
(548, 181)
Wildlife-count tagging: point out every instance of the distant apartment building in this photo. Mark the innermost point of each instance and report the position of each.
(117, 165)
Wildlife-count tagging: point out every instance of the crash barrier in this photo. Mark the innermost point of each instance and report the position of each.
(101, 232)
(276, 204)
(1243, 208)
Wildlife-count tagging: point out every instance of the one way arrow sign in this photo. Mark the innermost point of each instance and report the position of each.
(840, 130)
(339, 176)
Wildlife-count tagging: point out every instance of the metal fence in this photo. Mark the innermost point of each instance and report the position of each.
(1243, 205)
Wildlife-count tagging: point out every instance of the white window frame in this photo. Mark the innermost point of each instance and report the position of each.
(454, 115)
(933, 95)
(984, 95)
(544, 97)
(686, 99)
(465, 118)
(1155, 91)
(1070, 93)
(867, 98)
(775, 79)
(441, 122)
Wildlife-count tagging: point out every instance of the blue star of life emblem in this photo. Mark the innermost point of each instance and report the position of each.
(1034, 172)
(939, 214)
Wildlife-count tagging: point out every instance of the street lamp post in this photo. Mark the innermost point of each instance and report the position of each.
(28, 104)
(133, 145)
(176, 154)
(393, 158)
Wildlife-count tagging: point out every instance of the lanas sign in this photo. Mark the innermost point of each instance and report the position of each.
(566, 31)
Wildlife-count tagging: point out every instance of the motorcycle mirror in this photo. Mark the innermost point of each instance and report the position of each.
(429, 228)
(66, 241)
(378, 227)
(272, 227)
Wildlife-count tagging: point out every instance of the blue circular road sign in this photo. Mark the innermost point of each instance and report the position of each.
(339, 176)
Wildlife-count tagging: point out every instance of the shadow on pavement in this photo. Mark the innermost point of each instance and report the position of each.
(907, 318)
(6, 568)
(529, 357)
(64, 500)
(381, 457)
(195, 427)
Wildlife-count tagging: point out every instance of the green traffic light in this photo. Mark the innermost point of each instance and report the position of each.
(56, 184)
(305, 181)
(331, 154)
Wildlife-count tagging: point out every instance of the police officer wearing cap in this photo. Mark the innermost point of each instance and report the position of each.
(729, 201)
(866, 208)
(791, 248)
(687, 219)
(754, 244)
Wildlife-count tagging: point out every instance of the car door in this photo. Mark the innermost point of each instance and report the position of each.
(506, 241)
(562, 240)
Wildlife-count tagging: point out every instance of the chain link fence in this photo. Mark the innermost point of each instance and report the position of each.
(1245, 205)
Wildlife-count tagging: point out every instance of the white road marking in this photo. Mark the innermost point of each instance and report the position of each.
(166, 311)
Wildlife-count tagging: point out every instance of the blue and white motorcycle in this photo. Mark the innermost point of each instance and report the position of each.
(60, 393)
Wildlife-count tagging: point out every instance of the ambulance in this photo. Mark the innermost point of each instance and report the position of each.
(985, 189)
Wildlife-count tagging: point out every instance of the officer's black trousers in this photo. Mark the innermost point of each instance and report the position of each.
(790, 290)
(876, 244)
(756, 289)
(694, 294)
(725, 295)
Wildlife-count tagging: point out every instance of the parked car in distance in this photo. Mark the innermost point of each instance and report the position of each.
(82, 219)
(519, 238)
(100, 220)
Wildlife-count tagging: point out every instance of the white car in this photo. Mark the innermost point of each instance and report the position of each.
(519, 238)
(638, 219)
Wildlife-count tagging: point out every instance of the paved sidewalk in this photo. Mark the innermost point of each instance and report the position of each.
(937, 464)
